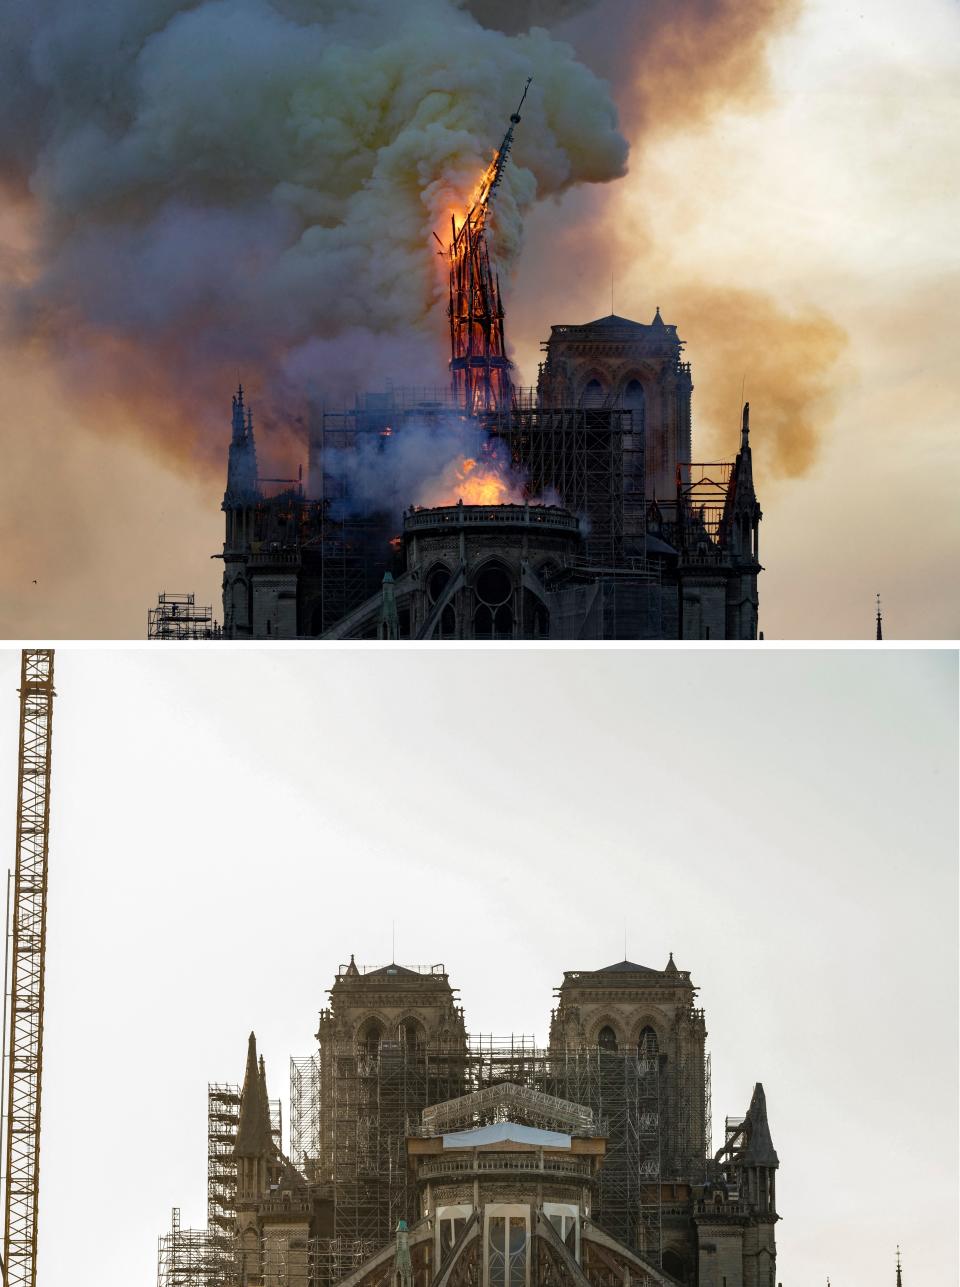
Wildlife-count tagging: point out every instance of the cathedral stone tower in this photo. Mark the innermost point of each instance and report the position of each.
(629, 1007)
(392, 1041)
(615, 362)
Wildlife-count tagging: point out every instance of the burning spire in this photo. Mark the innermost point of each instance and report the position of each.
(479, 366)
(879, 620)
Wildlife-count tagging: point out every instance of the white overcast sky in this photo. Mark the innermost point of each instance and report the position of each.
(228, 826)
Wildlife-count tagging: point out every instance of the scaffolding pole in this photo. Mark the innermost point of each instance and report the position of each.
(185, 1257)
(27, 943)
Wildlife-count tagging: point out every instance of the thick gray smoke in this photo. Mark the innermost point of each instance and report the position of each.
(247, 183)
(436, 462)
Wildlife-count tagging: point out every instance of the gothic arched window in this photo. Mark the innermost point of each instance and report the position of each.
(648, 1046)
(592, 395)
(411, 1034)
(677, 1266)
(437, 579)
(633, 400)
(493, 587)
(369, 1038)
(607, 1038)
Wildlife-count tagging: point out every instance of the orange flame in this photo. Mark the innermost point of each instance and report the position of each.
(484, 484)
(483, 481)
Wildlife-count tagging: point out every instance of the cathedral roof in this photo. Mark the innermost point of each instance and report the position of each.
(388, 971)
(628, 974)
(612, 319)
(507, 1133)
(657, 546)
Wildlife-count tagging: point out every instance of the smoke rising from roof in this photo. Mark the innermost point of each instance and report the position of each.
(784, 362)
(250, 186)
(222, 183)
(426, 462)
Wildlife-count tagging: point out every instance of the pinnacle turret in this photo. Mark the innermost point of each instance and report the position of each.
(759, 1150)
(253, 1131)
(242, 459)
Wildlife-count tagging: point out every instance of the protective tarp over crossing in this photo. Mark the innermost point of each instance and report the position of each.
(504, 1133)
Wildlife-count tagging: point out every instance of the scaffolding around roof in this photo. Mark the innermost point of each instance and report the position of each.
(502, 1102)
(592, 460)
(353, 1110)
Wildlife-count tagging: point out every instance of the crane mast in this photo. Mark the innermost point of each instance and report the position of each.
(28, 936)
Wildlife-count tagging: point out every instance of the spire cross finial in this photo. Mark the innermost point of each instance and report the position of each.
(515, 118)
(504, 151)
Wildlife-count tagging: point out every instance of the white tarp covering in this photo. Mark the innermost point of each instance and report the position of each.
(503, 1132)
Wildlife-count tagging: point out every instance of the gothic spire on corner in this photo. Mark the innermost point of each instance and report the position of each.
(242, 460)
(253, 1137)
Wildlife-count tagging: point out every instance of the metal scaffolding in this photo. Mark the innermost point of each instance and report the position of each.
(23, 1031)
(223, 1117)
(352, 1110)
(179, 616)
(305, 1114)
(593, 460)
(186, 1258)
(695, 524)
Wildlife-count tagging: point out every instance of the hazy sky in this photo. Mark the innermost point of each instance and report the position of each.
(823, 208)
(228, 826)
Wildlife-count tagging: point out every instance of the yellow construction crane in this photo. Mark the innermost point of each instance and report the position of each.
(27, 941)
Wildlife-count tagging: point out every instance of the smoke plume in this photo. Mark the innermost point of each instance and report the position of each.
(242, 183)
(436, 462)
(210, 188)
(744, 345)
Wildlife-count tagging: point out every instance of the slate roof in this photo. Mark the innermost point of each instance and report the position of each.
(388, 971)
(612, 320)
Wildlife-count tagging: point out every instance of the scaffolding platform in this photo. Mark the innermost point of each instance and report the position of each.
(179, 616)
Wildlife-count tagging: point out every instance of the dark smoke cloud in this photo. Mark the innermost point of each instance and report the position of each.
(673, 62)
(230, 186)
(246, 182)
(520, 15)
